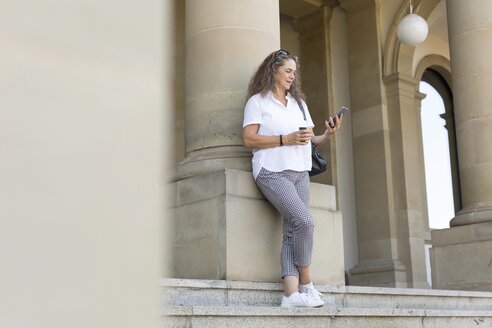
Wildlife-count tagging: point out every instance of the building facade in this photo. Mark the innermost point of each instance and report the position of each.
(370, 207)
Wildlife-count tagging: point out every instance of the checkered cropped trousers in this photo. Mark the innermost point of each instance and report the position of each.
(288, 192)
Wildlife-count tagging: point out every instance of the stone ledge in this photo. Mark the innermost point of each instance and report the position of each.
(320, 312)
(212, 211)
(465, 234)
(239, 183)
(251, 285)
(221, 293)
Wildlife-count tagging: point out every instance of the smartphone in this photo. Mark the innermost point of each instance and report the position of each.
(342, 110)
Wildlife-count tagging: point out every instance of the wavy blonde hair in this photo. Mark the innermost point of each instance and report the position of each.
(264, 78)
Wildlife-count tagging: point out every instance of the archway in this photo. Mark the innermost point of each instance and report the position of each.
(436, 71)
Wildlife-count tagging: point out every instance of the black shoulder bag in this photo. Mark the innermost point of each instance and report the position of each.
(319, 162)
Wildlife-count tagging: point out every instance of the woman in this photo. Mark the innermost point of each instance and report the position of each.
(281, 161)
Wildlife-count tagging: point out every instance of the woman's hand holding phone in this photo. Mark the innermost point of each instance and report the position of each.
(332, 125)
(332, 120)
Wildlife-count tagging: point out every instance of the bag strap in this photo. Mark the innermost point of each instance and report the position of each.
(302, 109)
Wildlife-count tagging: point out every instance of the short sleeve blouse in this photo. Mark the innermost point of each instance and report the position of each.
(276, 119)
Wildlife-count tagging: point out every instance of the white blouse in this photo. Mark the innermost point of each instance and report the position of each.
(276, 119)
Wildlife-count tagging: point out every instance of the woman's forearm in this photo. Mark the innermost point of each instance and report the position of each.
(331, 128)
(251, 138)
(259, 141)
(318, 140)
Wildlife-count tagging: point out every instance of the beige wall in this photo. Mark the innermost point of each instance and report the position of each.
(437, 41)
(82, 152)
(289, 36)
(389, 8)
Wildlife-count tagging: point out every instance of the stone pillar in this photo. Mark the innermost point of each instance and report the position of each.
(408, 175)
(378, 258)
(390, 205)
(225, 42)
(460, 254)
(84, 108)
(470, 32)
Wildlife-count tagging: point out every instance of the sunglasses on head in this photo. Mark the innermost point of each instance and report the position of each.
(282, 52)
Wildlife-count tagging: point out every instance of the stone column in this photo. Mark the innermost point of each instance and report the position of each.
(460, 254)
(470, 32)
(225, 42)
(390, 203)
(408, 175)
(379, 264)
(84, 110)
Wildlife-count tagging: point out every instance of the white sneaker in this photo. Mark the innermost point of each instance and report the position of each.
(300, 300)
(314, 297)
(294, 300)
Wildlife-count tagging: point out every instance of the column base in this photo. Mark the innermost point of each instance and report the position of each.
(472, 216)
(379, 273)
(225, 229)
(212, 159)
(461, 257)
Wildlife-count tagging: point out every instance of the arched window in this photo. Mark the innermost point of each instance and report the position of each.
(440, 154)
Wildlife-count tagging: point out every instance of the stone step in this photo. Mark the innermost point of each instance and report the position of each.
(238, 317)
(215, 294)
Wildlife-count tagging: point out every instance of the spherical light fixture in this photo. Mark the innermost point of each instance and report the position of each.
(412, 29)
